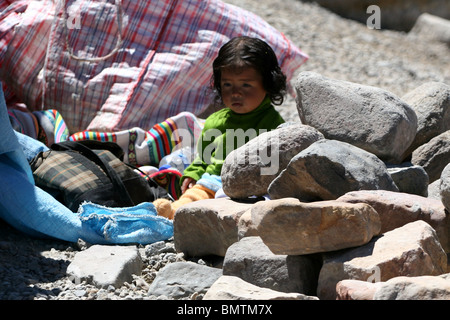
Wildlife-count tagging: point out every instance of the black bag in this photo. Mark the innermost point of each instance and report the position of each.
(93, 171)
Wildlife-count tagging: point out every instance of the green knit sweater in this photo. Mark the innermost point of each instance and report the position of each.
(225, 131)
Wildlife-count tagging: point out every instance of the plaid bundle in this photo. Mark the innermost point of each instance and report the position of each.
(75, 175)
(114, 65)
(70, 172)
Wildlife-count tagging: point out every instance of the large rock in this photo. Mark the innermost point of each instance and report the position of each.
(251, 260)
(367, 117)
(433, 156)
(398, 288)
(182, 279)
(104, 265)
(248, 170)
(432, 27)
(412, 250)
(431, 103)
(246, 227)
(356, 289)
(328, 169)
(415, 288)
(234, 288)
(434, 190)
(207, 227)
(444, 187)
(410, 178)
(397, 209)
(288, 226)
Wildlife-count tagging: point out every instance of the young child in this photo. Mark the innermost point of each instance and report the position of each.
(248, 81)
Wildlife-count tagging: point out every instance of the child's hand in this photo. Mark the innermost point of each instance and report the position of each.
(187, 184)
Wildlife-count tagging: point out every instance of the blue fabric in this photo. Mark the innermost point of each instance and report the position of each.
(35, 212)
(125, 225)
(210, 181)
(30, 147)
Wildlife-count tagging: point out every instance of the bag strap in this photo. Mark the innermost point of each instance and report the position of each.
(109, 171)
(159, 191)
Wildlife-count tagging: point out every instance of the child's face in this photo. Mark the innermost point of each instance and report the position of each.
(242, 89)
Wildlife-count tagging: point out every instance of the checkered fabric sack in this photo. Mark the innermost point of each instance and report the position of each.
(112, 65)
(74, 172)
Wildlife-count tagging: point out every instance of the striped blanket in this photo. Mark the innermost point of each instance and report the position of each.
(113, 65)
(143, 149)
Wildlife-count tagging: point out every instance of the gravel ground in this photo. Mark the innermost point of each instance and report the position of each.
(35, 269)
(32, 269)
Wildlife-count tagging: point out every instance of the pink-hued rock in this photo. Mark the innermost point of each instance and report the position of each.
(289, 226)
(412, 250)
(397, 209)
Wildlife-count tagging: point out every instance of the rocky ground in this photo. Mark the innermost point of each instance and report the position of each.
(348, 50)
(338, 48)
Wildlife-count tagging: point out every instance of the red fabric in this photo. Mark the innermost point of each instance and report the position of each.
(163, 66)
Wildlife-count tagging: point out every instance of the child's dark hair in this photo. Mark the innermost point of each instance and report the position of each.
(251, 52)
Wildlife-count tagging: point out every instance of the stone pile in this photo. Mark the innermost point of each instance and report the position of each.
(349, 216)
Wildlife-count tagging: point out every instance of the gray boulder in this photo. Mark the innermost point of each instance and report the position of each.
(444, 187)
(248, 170)
(431, 103)
(251, 260)
(327, 170)
(432, 27)
(180, 280)
(234, 288)
(367, 117)
(104, 265)
(433, 156)
(409, 178)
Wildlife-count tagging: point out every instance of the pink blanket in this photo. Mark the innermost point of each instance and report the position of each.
(114, 65)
